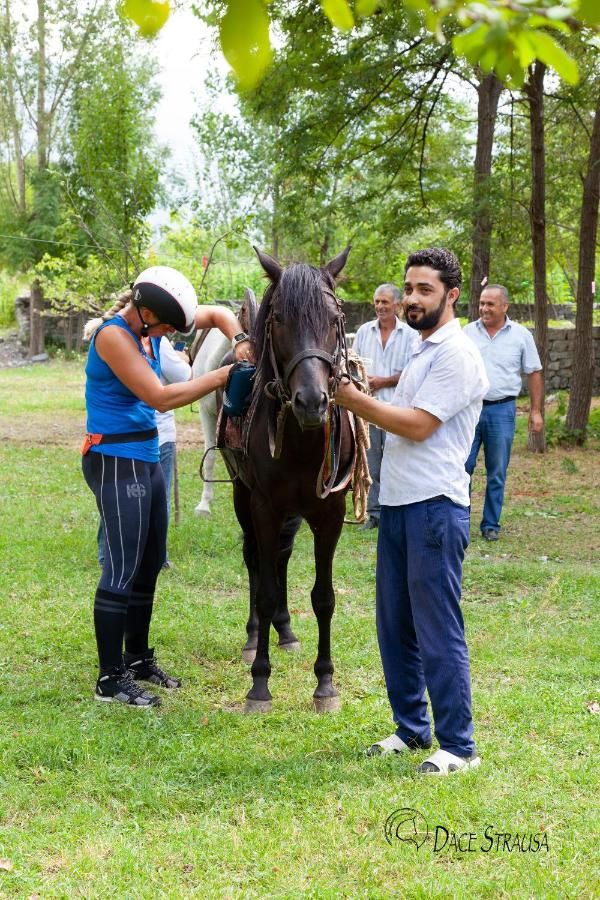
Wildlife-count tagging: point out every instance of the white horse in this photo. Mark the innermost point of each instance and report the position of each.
(213, 349)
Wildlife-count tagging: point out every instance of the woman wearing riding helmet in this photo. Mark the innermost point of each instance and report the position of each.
(121, 463)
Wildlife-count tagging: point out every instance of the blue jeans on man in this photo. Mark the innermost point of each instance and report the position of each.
(496, 431)
(420, 625)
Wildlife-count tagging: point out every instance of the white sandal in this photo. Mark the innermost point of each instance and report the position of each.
(391, 744)
(443, 763)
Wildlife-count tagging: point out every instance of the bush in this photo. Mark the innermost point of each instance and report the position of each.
(557, 433)
(11, 286)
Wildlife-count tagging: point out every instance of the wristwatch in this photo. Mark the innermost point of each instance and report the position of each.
(239, 339)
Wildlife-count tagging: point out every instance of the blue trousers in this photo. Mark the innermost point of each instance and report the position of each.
(420, 627)
(374, 458)
(496, 431)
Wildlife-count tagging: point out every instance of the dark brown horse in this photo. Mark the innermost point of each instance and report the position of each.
(296, 462)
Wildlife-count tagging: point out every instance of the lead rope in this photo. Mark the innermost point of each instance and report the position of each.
(361, 479)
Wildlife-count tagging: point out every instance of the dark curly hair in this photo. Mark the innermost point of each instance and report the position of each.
(443, 261)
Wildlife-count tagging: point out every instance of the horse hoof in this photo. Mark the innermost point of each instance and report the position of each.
(258, 706)
(327, 704)
(202, 512)
(248, 656)
(290, 646)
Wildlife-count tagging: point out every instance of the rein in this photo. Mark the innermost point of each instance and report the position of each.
(278, 389)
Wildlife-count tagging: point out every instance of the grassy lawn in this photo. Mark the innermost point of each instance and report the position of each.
(197, 800)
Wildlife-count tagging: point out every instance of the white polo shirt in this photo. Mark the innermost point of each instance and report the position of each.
(445, 377)
(506, 355)
(388, 360)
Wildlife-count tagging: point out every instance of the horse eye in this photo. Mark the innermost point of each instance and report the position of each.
(277, 318)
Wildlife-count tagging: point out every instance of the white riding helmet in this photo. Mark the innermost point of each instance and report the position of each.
(169, 294)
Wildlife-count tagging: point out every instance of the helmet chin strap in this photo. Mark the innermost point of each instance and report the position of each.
(145, 329)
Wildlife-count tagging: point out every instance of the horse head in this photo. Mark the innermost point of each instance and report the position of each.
(299, 335)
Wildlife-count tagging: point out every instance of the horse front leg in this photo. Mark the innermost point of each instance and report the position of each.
(209, 434)
(241, 505)
(326, 532)
(281, 620)
(267, 529)
(251, 560)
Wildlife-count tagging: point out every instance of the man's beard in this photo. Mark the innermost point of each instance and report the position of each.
(429, 320)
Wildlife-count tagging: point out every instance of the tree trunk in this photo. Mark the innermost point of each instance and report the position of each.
(582, 383)
(11, 110)
(275, 222)
(489, 92)
(36, 320)
(41, 120)
(535, 93)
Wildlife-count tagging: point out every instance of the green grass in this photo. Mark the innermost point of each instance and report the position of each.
(197, 800)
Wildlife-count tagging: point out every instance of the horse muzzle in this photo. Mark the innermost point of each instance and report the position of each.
(310, 407)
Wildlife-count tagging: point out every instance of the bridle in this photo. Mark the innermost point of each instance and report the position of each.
(279, 388)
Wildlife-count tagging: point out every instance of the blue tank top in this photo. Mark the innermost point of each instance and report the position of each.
(112, 408)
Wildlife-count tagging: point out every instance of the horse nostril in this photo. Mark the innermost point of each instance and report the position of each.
(312, 403)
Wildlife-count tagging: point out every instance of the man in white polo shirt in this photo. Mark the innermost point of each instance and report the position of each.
(387, 344)
(424, 525)
(508, 351)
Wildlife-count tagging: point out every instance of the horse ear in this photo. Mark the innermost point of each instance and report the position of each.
(335, 266)
(270, 265)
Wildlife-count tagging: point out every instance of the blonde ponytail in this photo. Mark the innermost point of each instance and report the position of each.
(90, 328)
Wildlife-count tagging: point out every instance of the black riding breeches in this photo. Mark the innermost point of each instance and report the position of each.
(131, 498)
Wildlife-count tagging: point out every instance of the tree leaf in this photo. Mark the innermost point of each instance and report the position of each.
(339, 13)
(244, 34)
(366, 7)
(589, 11)
(524, 48)
(548, 51)
(472, 42)
(148, 15)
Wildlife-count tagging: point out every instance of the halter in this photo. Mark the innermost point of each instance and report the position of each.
(279, 388)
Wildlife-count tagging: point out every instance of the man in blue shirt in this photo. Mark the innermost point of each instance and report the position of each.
(508, 351)
(386, 344)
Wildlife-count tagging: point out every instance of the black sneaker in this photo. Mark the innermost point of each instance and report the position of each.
(143, 667)
(118, 686)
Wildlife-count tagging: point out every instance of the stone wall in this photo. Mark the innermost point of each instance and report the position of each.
(560, 358)
(65, 331)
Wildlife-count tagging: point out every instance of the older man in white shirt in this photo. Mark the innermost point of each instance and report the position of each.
(386, 344)
(508, 351)
(424, 526)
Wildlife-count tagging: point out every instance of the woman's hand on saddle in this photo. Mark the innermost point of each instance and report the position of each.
(244, 350)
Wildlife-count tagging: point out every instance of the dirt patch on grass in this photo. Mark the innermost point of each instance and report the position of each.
(40, 429)
(551, 506)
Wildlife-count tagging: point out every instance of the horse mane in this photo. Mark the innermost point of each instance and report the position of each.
(299, 291)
